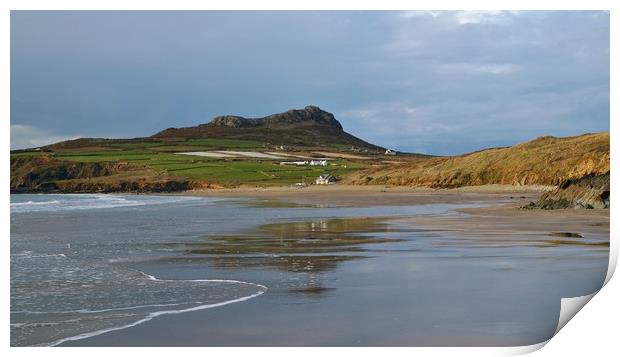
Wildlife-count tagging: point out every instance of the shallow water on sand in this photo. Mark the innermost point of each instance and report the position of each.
(122, 269)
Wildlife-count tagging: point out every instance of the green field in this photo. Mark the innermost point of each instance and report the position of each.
(229, 172)
(209, 144)
(253, 172)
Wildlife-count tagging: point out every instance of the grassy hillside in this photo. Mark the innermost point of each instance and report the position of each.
(95, 144)
(546, 160)
(227, 151)
(158, 161)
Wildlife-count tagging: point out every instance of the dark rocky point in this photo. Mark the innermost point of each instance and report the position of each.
(590, 191)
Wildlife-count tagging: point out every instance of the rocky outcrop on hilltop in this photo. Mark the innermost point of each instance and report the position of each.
(308, 115)
(591, 191)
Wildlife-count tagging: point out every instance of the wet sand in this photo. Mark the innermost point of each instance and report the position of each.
(503, 216)
(504, 223)
(485, 276)
(349, 195)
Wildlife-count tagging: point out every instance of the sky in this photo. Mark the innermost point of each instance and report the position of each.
(434, 82)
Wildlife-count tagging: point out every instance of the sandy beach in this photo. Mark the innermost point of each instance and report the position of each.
(502, 217)
(352, 195)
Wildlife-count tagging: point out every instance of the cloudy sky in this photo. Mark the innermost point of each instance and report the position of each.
(430, 82)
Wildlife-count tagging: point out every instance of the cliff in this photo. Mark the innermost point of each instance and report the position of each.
(45, 174)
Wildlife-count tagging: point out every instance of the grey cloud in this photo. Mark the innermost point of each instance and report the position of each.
(438, 82)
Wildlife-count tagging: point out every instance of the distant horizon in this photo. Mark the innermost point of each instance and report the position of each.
(429, 82)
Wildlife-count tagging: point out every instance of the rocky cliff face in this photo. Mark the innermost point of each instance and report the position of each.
(45, 174)
(591, 191)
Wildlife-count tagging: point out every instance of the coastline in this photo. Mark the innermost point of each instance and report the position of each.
(495, 236)
(375, 195)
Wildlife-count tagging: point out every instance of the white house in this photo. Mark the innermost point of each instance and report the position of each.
(390, 152)
(318, 162)
(325, 179)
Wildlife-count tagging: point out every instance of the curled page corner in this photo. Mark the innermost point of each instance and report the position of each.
(570, 307)
(613, 259)
(523, 350)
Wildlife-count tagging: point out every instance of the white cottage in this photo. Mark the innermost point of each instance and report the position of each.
(390, 152)
(325, 179)
(318, 162)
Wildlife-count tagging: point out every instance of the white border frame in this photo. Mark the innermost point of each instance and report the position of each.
(593, 330)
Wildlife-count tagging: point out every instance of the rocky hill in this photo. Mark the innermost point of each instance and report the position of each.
(307, 127)
(310, 127)
(544, 161)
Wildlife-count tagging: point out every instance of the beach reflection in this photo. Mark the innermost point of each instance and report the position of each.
(305, 249)
(316, 236)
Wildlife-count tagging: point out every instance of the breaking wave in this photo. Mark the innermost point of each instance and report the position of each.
(73, 323)
(67, 202)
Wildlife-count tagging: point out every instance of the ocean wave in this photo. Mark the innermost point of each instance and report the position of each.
(30, 255)
(151, 315)
(65, 202)
(23, 325)
(151, 277)
(33, 203)
(86, 311)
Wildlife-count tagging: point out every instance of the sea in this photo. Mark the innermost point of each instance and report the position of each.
(150, 270)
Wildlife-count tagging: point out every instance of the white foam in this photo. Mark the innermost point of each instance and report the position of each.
(86, 311)
(30, 255)
(64, 202)
(155, 314)
(33, 203)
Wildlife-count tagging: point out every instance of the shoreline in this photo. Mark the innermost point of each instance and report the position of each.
(352, 189)
(353, 195)
(371, 195)
(496, 223)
